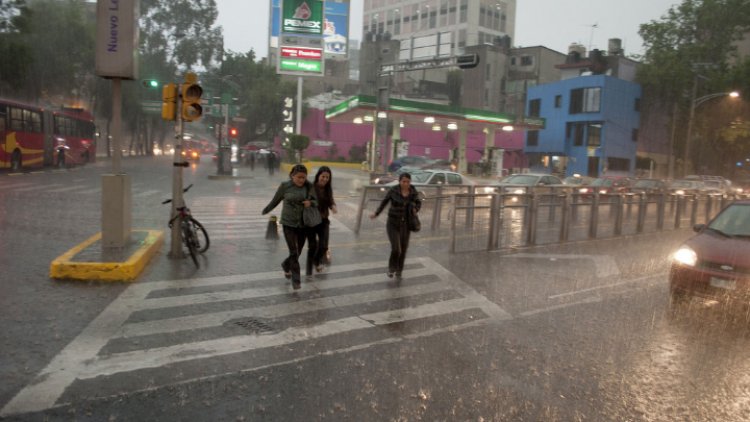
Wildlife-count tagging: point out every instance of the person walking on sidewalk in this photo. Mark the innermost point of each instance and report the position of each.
(402, 197)
(297, 193)
(324, 193)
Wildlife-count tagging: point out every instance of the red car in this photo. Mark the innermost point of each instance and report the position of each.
(715, 263)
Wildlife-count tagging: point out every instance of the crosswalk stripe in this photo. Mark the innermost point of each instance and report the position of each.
(146, 193)
(153, 358)
(275, 311)
(279, 288)
(36, 187)
(68, 189)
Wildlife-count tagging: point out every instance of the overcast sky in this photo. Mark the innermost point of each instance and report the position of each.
(552, 23)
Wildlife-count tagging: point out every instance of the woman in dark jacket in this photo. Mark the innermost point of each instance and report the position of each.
(297, 194)
(400, 196)
(324, 193)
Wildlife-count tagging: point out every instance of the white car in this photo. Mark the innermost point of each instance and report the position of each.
(435, 177)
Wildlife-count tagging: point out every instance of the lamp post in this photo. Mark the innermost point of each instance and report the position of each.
(695, 104)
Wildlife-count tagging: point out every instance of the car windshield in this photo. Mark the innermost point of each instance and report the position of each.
(646, 184)
(734, 220)
(685, 184)
(520, 179)
(420, 176)
(602, 182)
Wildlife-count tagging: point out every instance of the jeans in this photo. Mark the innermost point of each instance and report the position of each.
(295, 241)
(321, 233)
(398, 234)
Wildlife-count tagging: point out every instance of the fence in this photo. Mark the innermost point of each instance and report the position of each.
(478, 218)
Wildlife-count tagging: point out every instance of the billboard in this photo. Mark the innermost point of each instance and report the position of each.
(302, 17)
(336, 28)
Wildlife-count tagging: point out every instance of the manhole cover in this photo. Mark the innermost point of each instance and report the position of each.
(254, 325)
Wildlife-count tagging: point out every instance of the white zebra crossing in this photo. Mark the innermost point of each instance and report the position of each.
(87, 359)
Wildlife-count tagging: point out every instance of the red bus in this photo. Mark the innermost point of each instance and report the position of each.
(33, 136)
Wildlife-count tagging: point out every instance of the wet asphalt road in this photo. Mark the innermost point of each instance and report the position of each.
(581, 331)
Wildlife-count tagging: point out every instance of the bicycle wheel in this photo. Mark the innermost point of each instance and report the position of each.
(201, 236)
(188, 237)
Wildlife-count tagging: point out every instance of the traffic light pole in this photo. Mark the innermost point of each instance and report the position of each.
(177, 201)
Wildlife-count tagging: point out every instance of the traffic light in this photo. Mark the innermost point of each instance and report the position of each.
(191, 98)
(150, 83)
(467, 61)
(233, 132)
(169, 102)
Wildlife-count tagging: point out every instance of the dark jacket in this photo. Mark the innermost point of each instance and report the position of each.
(292, 195)
(398, 202)
(325, 202)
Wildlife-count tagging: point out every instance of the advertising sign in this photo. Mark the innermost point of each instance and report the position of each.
(302, 17)
(117, 39)
(336, 28)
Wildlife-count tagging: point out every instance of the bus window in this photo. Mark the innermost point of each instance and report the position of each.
(33, 121)
(16, 119)
(3, 116)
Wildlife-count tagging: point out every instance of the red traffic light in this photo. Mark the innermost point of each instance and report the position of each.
(233, 132)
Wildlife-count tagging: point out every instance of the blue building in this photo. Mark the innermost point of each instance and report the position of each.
(591, 126)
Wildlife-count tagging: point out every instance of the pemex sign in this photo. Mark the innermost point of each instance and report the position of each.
(302, 17)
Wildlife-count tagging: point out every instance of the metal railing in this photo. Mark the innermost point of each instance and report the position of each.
(477, 217)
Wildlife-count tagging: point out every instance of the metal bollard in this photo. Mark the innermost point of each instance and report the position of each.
(641, 219)
(272, 229)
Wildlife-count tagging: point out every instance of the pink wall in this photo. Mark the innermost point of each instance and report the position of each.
(425, 142)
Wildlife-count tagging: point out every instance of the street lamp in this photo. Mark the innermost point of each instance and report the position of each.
(697, 102)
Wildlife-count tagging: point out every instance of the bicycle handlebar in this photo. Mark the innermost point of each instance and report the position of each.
(183, 191)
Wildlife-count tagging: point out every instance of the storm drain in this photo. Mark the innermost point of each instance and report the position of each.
(253, 325)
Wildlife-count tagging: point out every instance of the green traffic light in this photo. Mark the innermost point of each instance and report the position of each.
(150, 83)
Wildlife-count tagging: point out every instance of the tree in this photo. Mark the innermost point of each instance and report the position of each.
(296, 145)
(693, 43)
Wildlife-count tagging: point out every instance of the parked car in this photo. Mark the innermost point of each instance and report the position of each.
(435, 177)
(686, 187)
(609, 184)
(650, 186)
(408, 160)
(526, 183)
(715, 263)
(578, 180)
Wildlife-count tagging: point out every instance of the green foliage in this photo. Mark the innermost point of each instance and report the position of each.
(694, 43)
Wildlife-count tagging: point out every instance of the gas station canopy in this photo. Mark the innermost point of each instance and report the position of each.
(409, 113)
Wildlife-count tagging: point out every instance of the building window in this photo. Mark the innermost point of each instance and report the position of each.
(585, 100)
(513, 61)
(532, 138)
(558, 101)
(535, 107)
(594, 134)
(575, 131)
(463, 11)
(526, 61)
(618, 164)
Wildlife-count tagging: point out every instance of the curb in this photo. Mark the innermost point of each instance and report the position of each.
(64, 266)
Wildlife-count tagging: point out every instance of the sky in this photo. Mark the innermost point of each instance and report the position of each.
(551, 23)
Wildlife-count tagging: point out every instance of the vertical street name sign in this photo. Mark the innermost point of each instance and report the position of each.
(117, 39)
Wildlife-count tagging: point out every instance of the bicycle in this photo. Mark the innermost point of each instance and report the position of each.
(193, 234)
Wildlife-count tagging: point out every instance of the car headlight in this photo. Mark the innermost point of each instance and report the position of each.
(377, 180)
(679, 192)
(519, 191)
(583, 190)
(488, 189)
(686, 256)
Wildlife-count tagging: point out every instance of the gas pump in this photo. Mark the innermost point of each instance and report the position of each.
(496, 161)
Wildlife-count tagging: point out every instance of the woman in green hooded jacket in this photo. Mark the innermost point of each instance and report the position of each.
(297, 194)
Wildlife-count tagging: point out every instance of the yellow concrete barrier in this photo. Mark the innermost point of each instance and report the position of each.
(65, 267)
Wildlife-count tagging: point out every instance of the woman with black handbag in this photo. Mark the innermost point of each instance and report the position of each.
(402, 220)
(324, 193)
(298, 195)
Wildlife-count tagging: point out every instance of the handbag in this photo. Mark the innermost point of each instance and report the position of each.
(311, 215)
(412, 219)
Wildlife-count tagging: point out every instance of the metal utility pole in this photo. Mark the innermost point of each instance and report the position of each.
(177, 164)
